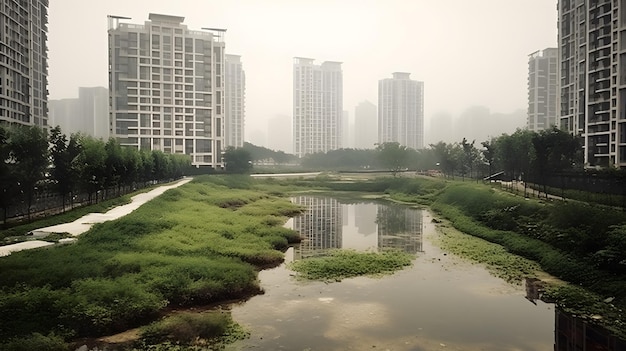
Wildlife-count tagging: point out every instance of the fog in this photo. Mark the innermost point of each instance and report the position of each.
(467, 53)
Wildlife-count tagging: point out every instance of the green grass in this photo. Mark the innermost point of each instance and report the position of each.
(342, 264)
(197, 244)
(187, 328)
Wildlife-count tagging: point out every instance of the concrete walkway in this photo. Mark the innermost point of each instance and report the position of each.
(84, 223)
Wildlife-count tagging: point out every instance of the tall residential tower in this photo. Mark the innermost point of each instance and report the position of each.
(235, 101)
(592, 46)
(24, 62)
(543, 89)
(317, 106)
(401, 111)
(166, 85)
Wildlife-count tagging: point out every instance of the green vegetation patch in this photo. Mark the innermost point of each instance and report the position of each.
(498, 260)
(184, 248)
(341, 264)
(210, 330)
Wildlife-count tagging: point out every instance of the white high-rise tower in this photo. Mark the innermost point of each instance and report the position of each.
(235, 101)
(166, 85)
(317, 106)
(401, 111)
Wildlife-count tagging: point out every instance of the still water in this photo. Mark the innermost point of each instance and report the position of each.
(442, 302)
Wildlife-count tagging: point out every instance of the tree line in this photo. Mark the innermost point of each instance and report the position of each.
(520, 155)
(35, 160)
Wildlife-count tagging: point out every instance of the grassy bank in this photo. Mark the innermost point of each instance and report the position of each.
(570, 241)
(201, 243)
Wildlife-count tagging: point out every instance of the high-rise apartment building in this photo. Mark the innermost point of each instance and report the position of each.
(543, 89)
(592, 46)
(317, 106)
(24, 62)
(166, 85)
(235, 92)
(401, 111)
(366, 123)
(89, 114)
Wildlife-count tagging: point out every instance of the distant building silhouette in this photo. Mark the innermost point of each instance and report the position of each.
(317, 106)
(593, 78)
(365, 125)
(401, 111)
(235, 101)
(167, 87)
(543, 89)
(346, 135)
(24, 62)
(279, 134)
(88, 114)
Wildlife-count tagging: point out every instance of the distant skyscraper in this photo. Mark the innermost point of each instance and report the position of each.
(235, 91)
(543, 89)
(366, 125)
(401, 111)
(166, 84)
(317, 106)
(24, 62)
(89, 114)
(593, 78)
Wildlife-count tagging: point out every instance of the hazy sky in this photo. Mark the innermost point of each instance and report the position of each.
(467, 52)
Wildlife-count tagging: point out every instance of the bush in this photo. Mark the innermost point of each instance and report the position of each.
(186, 327)
(35, 341)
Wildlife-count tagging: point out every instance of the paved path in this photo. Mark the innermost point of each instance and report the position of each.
(85, 222)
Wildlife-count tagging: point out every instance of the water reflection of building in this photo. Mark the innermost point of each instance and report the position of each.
(363, 214)
(399, 227)
(574, 334)
(320, 225)
(326, 225)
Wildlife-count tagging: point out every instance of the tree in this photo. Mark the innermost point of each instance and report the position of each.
(448, 156)
(91, 165)
(237, 160)
(514, 153)
(469, 158)
(488, 154)
(146, 171)
(8, 177)
(29, 153)
(392, 156)
(114, 164)
(62, 153)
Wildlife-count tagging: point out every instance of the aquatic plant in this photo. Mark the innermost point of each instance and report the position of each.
(341, 264)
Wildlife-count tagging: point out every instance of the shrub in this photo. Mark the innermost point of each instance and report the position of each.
(35, 341)
(186, 327)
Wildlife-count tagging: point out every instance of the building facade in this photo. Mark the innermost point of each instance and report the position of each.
(166, 86)
(543, 89)
(401, 111)
(317, 106)
(235, 101)
(366, 122)
(24, 62)
(592, 46)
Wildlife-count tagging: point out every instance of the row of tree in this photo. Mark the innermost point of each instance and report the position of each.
(521, 155)
(34, 159)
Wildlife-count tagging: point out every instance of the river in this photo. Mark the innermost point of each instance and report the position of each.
(441, 302)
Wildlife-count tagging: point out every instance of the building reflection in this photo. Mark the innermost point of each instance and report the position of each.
(399, 227)
(320, 226)
(328, 224)
(572, 333)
